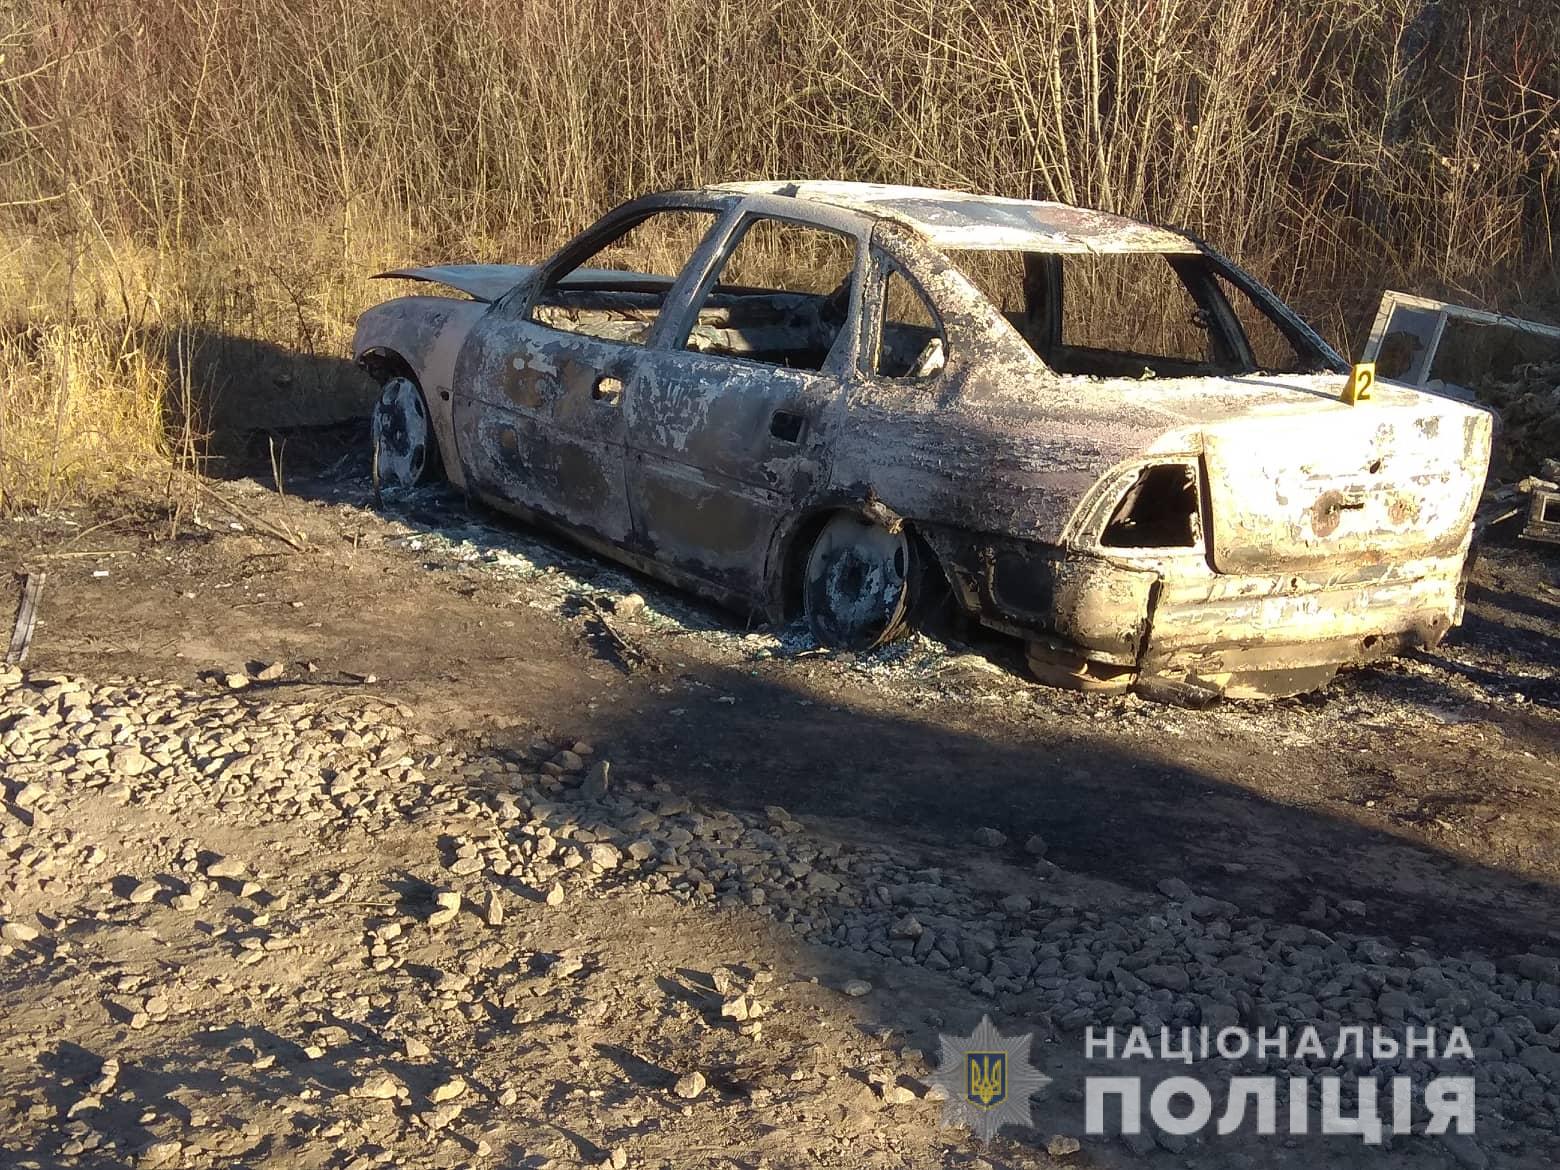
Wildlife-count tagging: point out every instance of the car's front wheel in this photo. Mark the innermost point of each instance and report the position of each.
(857, 583)
(406, 453)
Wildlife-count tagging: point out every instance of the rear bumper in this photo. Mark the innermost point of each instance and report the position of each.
(1254, 637)
(1092, 620)
(1290, 641)
(1331, 626)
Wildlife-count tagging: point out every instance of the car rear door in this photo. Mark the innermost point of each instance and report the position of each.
(728, 432)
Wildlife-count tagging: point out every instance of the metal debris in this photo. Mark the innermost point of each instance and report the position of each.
(1407, 338)
(26, 619)
(1543, 521)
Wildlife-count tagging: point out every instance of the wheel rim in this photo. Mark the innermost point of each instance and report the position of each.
(401, 433)
(855, 590)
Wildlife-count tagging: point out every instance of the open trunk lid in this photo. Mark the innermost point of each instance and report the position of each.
(1396, 477)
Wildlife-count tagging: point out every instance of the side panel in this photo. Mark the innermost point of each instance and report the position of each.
(1093, 604)
(990, 445)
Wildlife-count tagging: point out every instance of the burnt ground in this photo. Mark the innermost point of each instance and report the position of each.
(1417, 800)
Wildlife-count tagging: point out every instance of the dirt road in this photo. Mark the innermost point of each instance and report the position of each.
(1379, 853)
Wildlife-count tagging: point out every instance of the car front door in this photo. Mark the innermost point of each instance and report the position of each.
(541, 384)
(728, 430)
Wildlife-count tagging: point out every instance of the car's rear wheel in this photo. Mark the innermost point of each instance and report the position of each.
(406, 453)
(857, 584)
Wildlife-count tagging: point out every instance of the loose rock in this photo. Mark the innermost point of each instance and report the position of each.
(689, 1085)
(1062, 1146)
(378, 1087)
(225, 867)
(18, 932)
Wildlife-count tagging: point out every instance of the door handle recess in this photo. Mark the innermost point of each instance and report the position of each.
(608, 390)
(787, 426)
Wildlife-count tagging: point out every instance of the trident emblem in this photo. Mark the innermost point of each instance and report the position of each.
(986, 1077)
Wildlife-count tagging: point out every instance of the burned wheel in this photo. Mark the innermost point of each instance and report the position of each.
(857, 584)
(405, 451)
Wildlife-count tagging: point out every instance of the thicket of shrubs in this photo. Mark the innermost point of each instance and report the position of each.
(209, 172)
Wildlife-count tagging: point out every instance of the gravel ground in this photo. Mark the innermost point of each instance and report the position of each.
(391, 853)
(125, 949)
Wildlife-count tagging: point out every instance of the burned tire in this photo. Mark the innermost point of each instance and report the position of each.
(857, 583)
(405, 450)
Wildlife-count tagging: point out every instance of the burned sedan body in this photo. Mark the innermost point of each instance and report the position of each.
(829, 398)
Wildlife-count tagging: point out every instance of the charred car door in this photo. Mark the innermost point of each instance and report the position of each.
(540, 385)
(728, 432)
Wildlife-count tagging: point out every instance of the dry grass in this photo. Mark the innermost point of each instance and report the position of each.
(125, 358)
(191, 193)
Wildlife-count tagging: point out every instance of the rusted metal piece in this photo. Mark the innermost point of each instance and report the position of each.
(1196, 525)
(1543, 522)
(26, 619)
(1407, 335)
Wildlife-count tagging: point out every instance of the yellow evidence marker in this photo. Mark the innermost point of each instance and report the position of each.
(1361, 379)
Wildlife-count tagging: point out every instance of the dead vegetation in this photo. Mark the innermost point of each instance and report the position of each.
(1528, 400)
(191, 193)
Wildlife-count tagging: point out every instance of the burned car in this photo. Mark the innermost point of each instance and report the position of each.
(836, 399)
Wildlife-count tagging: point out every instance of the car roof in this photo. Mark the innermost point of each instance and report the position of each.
(958, 219)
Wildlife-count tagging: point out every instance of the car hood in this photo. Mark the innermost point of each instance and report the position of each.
(483, 282)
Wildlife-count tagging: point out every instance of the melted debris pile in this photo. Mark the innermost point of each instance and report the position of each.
(1528, 402)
